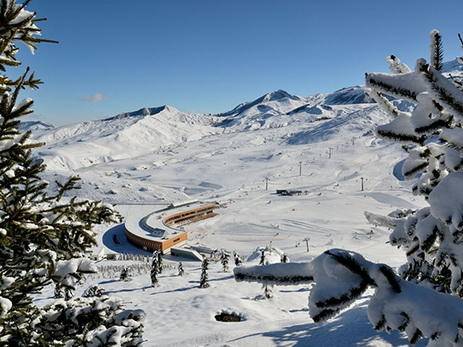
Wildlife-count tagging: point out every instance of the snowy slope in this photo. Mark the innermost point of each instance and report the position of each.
(148, 130)
(349, 95)
(323, 145)
(230, 168)
(267, 111)
(159, 155)
(149, 139)
(35, 126)
(123, 136)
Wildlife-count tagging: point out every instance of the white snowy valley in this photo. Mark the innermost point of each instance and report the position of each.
(324, 146)
(327, 220)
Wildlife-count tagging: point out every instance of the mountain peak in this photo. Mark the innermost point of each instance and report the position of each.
(348, 96)
(278, 95)
(453, 65)
(34, 125)
(145, 111)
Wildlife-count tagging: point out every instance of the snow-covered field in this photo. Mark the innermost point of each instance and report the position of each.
(158, 155)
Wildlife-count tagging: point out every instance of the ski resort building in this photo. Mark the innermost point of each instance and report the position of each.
(163, 229)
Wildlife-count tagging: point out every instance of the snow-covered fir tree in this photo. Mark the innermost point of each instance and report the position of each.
(124, 276)
(432, 132)
(262, 257)
(160, 262)
(237, 258)
(424, 298)
(268, 292)
(93, 291)
(44, 234)
(154, 270)
(224, 258)
(180, 269)
(284, 258)
(204, 280)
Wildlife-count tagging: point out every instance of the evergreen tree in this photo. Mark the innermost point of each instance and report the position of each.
(262, 257)
(160, 263)
(154, 271)
(224, 258)
(124, 276)
(58, 293)
(284, 258)
(432, 132)
(44, 234)
(203, 283)
(180, 269)
(268, 293)
(238, 260)
(424, 300)
(93, 291)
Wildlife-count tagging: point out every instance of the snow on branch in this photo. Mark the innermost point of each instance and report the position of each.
(384, 102)
(441, 88)
(395, 305)
(341, 277)
(437, 54)
(405, 86)
(278, 273)
(378, 220)
(396, 66)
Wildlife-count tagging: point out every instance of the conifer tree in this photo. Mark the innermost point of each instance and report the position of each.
(424, 299)
(93, 291)
(268, 293)
(433, 135)
(238, 260)
(262, 257)
(124, 276)
(224, 261)
(203, 283)
(180, 269)
(44, 233)
(159, 262)
(154, 271)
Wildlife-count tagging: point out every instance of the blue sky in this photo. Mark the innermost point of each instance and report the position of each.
(209, 55)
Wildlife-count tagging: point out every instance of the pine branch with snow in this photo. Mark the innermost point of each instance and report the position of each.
(204, 280)
(430, 236)
(437, 53)
(424, 298)
(44, 236)
(341, 277)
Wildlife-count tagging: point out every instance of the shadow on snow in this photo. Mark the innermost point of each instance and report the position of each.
(351, 328)
(115, 240)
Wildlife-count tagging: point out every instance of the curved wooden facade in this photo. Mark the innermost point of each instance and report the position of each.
(156, 245)
(173, 220)
(190, 216)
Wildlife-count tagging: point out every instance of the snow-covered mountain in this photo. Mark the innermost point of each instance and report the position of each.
(453, 65)
(280, 109)
(35, 126)
(278, 100)
(348, 96)
(267, 111)
(123, 136)
(147, 130)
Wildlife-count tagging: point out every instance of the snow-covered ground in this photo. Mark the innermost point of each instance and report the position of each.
(164, 155)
